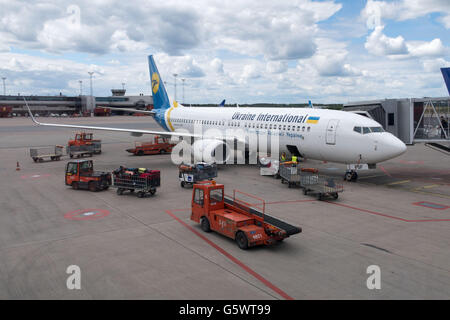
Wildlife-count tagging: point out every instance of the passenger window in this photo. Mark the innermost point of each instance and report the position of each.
(289, 127)
(284, 127)
(357, 129)
(366, 130)
(265, 127)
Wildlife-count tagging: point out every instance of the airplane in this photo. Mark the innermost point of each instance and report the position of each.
(310, 105)
(222, 104)
(317, 134)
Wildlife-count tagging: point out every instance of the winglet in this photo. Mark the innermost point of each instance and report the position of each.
(29, 111)
(446, 75)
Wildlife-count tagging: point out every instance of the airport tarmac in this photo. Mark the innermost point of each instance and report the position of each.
(396, 217)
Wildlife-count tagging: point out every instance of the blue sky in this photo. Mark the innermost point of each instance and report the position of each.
(245, 51)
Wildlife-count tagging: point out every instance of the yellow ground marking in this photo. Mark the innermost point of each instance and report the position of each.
(398, 182)
(431, 186)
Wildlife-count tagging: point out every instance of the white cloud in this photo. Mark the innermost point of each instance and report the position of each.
(379, 44)
(375, 11)
(427, 49)
(217, 65)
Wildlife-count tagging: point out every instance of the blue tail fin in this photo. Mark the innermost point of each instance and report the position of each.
(222, 103)
(446, 75)
(160, 98)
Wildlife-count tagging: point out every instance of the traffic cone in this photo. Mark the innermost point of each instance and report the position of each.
(18, 166)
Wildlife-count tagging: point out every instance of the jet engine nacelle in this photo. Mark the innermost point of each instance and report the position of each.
(211, 151)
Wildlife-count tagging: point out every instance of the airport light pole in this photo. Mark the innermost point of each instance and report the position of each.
(175, 85)
(91, 98)
(81, 87)
(4, 86)
(182, 80)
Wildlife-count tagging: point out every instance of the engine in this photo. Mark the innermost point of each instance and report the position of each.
(210, 151)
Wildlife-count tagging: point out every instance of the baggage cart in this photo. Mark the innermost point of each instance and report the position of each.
(81, 151)
(290, 174)
(137, 183)
(54, 153)
(269, 167)
(188, 174)
(320, 185)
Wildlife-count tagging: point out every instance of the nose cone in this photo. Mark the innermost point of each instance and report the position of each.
(393, 147)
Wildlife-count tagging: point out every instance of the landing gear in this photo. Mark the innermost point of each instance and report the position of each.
(351, 176)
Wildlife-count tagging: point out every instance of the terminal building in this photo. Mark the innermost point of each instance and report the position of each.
(47, 105)
(411, 119)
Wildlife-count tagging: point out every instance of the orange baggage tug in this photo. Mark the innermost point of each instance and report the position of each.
(236, 219)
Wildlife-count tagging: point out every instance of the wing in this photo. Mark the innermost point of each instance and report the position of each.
(134, 132)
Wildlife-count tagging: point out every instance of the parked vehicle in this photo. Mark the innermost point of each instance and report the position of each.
(236, 219)
(80, 174)
(159, 145)
(190, 174)
(54, 153)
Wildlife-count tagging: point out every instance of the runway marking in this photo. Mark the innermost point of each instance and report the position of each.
(263, 280)
(385, 215)
(367, 177)
(431, 205)
(440, 195)
(384, 170)
(398, 182)
(86, 214)
(431, 186)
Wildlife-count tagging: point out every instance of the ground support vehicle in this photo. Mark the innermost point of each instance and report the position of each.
(159, 145)
(87, 150)
(86, 139)
(320, 185)
(80, 174)
(54, 153)
(190, 174)
(247, 224)
(141, 181)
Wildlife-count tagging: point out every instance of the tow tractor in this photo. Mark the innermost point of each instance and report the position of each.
(247, 224)
(159, 145)
(80, 174)
(84, 142)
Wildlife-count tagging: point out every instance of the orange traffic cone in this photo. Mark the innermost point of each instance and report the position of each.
(18, 166)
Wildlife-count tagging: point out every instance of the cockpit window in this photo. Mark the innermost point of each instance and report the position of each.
(366, 130)
(357, 129)
(376, 129)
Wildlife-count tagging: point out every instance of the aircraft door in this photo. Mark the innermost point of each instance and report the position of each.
(330, 135)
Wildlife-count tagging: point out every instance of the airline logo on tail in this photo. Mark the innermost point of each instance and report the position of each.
(155, 82)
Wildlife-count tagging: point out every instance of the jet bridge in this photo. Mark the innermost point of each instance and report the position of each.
(411, 119)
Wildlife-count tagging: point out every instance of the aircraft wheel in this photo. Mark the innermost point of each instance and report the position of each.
(119, 191)
(182, 184)
(348, 176)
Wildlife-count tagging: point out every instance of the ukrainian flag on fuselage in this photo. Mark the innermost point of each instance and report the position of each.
(312, 119)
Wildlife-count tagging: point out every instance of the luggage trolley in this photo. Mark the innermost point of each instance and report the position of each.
(135, 182)
(290, 174)
(190, 174)
(320, 185)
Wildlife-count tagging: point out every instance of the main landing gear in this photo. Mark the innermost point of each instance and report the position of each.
(351, 175)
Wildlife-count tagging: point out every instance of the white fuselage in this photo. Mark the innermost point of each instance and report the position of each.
(319, 134)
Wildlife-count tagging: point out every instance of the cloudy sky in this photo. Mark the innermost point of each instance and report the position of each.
(242, 51)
